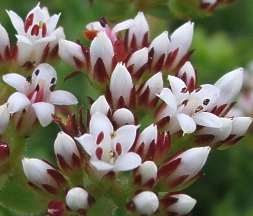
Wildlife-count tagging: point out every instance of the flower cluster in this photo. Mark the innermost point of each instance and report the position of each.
(125, 149)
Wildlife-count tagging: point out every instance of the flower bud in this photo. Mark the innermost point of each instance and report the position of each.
(183, 204)
(4, 41)
(123, 116)
(56, 208)
(185, 166)
(42, 175)
(100, 105)
(77, 199)
(138, 59)
(146, 203)
(147, 172)
(5, 117)
(66, 152)
(188, 75)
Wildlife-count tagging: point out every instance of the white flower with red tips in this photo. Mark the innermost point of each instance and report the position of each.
(187, 109)
(109, 150)
(37, 35)
(36, 98)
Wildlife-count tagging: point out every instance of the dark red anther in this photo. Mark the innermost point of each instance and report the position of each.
(99, 153)
(35, 30)
(28, 22)
(100, 137)
(118, 148)
(56, 208)
(103, 21)
(44, 30)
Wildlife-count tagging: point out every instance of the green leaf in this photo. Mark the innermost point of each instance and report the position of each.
(20, 198)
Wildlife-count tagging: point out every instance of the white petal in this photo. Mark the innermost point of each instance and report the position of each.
(187, 124)
(44, 74)
(60, 97)
(138, 59)
(207, 119)
(230, 85)
(77, 199)
(44, 112)
(125, 136)
(5, 118)
(100, 123)
(127, 162)
(16, 81)
(184, 204)
(100, 105)
(155, 85)
(178, 88)
(181, 38)
(88, 143)
(170, 100)
(68, 50)
(121, 83)
(17, 102)
(146, 203)
(95, 26)
(52, 22)
(65, 146)
(101, 165)
(24, 51)
(123, 116)
(16, 21)
(240, 125)
(4, 40)
(101, 47)
(220, 134)
(123, 25)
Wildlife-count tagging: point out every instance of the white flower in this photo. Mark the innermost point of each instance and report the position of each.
(188, 109)
(100, 105)
(123, 116)
(42, 175)
(66, 151)
(35, 33)
(121, 85)
(146, 203)
(37, 97)
(138, 32)
(183, 205)
(189, 164)
(77, 199)
(109, 149)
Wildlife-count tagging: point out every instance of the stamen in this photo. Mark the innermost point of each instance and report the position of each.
(100, 137)
(206, 101)
(44, 30)
(35, 30)
(118, 148)
(99, 153)
(37, 72)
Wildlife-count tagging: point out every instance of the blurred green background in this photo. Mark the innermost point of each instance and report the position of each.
(222, 41)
